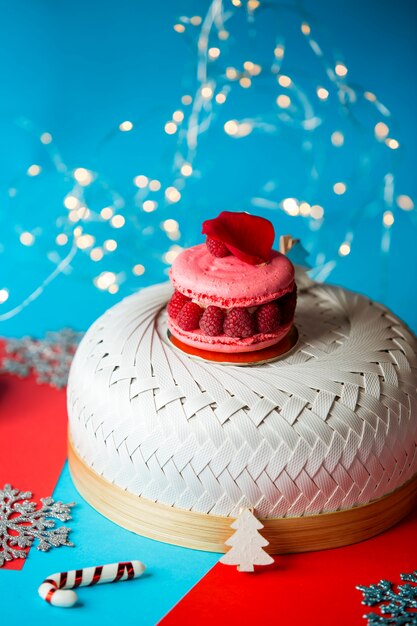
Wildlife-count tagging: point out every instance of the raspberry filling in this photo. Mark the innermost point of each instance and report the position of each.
(238, 322)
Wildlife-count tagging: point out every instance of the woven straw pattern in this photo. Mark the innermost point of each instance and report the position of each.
(331, 426)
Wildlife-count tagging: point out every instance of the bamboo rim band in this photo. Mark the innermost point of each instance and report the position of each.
(201, 531)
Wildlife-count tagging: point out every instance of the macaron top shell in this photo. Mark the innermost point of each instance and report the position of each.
(228, 281)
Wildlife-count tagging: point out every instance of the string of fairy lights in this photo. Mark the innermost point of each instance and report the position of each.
(91, 229)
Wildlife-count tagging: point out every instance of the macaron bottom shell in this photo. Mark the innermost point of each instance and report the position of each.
(223, 343)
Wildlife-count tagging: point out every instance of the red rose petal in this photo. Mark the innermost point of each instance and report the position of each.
(247, 237)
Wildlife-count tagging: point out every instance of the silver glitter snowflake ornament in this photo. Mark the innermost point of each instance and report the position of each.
(49, 358)
(21, 522)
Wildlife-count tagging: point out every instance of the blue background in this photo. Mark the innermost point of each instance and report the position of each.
(78, 69)
(170, 573)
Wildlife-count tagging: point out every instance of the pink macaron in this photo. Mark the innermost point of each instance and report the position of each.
(229, 283)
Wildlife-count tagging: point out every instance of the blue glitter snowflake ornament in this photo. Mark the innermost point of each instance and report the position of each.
(398, 605)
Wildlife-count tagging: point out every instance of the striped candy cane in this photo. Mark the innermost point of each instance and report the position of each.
(56, 588)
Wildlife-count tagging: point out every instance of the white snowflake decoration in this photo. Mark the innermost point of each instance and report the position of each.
(21, 522)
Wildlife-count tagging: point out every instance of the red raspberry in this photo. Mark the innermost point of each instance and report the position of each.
(216, 248)
(176, 303)
(287, 306)
(189, 316)
(212, 321)
(267, 317)
(239, 323)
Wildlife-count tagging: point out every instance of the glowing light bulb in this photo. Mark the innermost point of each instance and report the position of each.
(317, 212)
(305, 28)
(196, 20)
(110, 245)
(284, 81)
(221, 98)
(255, 69)
(170, 256)
(392, 143)
(381, 130)
(244, 129)
(305, 209)
(117, 221)
(290, 206)
(104, 280)
(170, 225)
(388, 219)
(141, 181)
(170, 128)
(236, 3)
(214, 53)
(341, 69)
(138, 269)
(337, 138)
(344, 249)
(149, 206)
(107, 212)
(279, 52)
(245, 82)
(223, 35)
(74, 216)
(61, 239)
(207, 92)
(4, 295)
(253, 5)
(125, 126)
(186, 169)
(113, 288)
(154, 185)
(27, 239)
(231, 127)
(172, 194)
(322, 93)
(96, 254)
(34, 170)
(339, 188)
(179, 28)
(46, 138)
(186, 99)
(369, 96)
(178, 116)
(85, 241)
(83, 176)
(71, 202)
(231, 73)
(405, 203)
(283, 101)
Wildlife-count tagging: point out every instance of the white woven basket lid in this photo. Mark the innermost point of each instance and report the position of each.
(330, 426)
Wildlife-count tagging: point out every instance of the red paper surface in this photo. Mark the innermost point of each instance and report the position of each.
(309, 589)
(33, 424)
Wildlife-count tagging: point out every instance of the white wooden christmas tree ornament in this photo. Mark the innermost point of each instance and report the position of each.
(246, 543)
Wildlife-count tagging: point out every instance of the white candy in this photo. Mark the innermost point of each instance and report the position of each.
(56, 589)
(60, 597)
